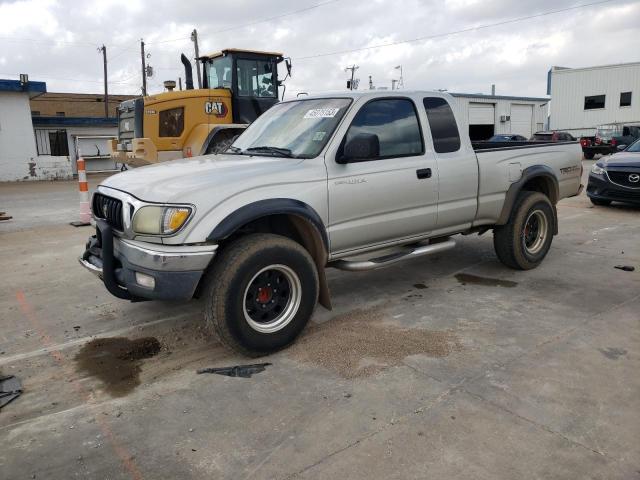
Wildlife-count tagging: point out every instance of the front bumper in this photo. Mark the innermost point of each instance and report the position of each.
(600, 188)
(175, 270)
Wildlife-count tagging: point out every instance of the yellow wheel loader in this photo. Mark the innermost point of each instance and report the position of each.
(237, 87)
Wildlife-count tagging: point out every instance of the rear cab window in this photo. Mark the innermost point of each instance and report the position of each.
(443, 125)
(395, 122)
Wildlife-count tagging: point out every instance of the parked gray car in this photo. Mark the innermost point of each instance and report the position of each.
(314, 183)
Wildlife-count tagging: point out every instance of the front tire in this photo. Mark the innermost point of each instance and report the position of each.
(260, 293)
(524, 241)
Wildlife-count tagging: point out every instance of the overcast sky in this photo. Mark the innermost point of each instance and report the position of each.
(56, 41)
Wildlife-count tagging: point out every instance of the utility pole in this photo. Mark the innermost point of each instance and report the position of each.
(353, 84)
(401, 81)
(194, 39)
(144, 69)
(103, 49)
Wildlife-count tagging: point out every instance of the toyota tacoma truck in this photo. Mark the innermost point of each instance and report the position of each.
(354, 181)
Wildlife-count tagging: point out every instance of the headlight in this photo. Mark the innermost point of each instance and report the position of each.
(154, 220)
(597, 169)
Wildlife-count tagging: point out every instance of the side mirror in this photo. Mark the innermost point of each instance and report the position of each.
(621, 147)
(364, 146)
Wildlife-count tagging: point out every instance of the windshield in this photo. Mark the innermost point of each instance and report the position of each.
(218, 72)
(634, 147)
(295, 129)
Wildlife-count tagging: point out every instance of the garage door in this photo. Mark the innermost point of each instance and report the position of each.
(481, 114)
(522, 119)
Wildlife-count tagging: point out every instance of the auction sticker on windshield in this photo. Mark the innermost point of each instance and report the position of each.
(321, 113)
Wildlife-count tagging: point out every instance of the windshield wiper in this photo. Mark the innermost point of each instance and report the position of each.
(234, 149)
(285, 152)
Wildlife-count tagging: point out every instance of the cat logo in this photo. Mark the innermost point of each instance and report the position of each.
(215, 108)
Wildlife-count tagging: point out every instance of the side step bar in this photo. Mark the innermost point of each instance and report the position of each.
(379, 262)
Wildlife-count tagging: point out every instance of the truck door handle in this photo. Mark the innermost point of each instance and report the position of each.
(423, 173)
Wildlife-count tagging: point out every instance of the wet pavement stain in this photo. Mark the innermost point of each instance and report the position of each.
(467, 278)
(613, 353)
(359, 344)
(116, 361)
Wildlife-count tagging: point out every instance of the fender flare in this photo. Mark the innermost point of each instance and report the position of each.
(264, 208)
(529, 173)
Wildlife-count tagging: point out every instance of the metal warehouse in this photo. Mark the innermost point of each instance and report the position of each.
(583, 98)
(487, 115)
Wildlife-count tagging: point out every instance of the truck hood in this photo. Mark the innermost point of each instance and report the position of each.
(180, 181)
(623, 159)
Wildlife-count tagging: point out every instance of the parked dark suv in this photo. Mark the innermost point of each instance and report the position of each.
(616, 178)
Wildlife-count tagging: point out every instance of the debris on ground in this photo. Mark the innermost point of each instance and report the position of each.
(10, 389)
(4, 216)
(468, 278)
(626, 268)
(244, 371)
(362, 342)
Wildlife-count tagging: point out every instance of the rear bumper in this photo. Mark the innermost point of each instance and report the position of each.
(599, 149)
(167, 272)
(600, 188)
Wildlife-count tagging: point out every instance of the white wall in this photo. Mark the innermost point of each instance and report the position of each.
(17, 143)
(502, 107)
(570, 86)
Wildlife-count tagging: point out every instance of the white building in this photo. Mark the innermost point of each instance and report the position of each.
(583, 98)
(44, 148)
(487, 115)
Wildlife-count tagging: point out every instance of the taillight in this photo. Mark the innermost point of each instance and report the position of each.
(614, 142)
(585, 142)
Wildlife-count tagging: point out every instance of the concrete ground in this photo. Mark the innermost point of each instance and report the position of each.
(448, 367)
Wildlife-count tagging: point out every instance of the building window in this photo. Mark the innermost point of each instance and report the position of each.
(594, 102)
(625, 99)
(58, 145)
(442, 123)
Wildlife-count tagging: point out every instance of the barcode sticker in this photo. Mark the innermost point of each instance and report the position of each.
(321, 113)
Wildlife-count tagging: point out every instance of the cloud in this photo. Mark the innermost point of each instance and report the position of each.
(56, 41)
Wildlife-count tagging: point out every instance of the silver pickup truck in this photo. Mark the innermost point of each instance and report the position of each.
(354, 181)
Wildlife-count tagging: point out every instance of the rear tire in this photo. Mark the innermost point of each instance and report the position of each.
(260, 293)
(599, 202)
(589, 156)
(525, 240)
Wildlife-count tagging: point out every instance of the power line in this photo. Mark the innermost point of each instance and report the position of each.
(254, 22)
(455, 32)
(46, 77)
(275, 17)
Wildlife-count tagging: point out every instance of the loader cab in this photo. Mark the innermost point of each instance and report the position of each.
(251, 76)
